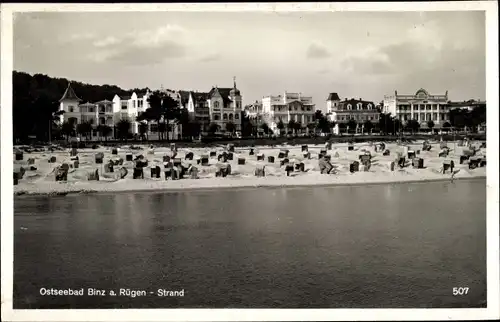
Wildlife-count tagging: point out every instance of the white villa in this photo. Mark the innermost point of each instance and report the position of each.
(107, 112)
(286, 107)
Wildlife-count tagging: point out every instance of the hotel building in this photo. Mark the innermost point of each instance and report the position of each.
(422, 107)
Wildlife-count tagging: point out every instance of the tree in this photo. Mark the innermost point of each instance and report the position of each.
(352, 125)
(123, 128)
(386, 123)
(171, 111)
(331, 125)
(68, 129)
(412, 125)
(265, 128)
(430, 125)
(230, 127)
(311, 126)
(246, 125)
(446, 126)
(143, 130)
(297, 126)
(104, 130)
(318, 115)
(162, 128)
(213, 128)
(84, 128)
(368, 126)
(397, 125)
(291, 126)
(280, 126)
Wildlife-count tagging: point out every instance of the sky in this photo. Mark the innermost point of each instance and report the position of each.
(356, 54)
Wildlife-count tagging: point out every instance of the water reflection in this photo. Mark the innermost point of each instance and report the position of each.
(372, 246)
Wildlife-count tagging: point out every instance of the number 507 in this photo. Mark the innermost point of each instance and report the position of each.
(460, 290)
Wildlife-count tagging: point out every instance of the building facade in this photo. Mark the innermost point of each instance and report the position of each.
(422, 107)
(342, 111)
(468, 105)
(104, 112)
(287, 107)
(225, 106)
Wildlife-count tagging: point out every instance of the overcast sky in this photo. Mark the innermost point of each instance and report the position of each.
(356, 54)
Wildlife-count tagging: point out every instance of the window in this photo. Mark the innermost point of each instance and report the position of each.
(416, 117)
(230, 117)
(91, 109)
(369, 106)
(238, 105)
(349, 106)
(236, 116)
(102, 120)
(216, 116)
(216, 104)
(224, 116)
(434, 117)
(124, 106)
(71, 109)
(102, 109)
(83, 109)
(91, 121)
(358, 106)
(442, 117)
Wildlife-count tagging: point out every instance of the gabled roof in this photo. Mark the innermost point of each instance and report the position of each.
(199, 97)
(104, 102)
(295, 101)
(333, 97)
(184, 96)
(70, 94)
(224, 92)
(125, 97)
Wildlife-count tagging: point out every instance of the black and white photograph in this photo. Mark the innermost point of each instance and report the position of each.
(250, 156)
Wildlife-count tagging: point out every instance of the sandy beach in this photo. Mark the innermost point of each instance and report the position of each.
(41, 178)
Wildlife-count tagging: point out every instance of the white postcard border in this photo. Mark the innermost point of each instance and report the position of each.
(493, 281)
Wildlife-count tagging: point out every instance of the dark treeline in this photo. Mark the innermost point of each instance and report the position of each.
(36, 98)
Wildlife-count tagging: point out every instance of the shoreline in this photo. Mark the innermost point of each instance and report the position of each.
(41, 181)
(241, 185)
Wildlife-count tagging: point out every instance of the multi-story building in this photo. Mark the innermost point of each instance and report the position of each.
(421, 107)
(225, 106)
(359, 110)
(468, 105)
(290, 106)
(197, 106)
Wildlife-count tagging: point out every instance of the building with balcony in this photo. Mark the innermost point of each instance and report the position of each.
(197, 106)
(342, 111)
(421, 106)
(287, 107)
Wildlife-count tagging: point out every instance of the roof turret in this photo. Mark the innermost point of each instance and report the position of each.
(70, 94)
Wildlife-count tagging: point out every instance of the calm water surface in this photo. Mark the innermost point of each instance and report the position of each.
(404, 245)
